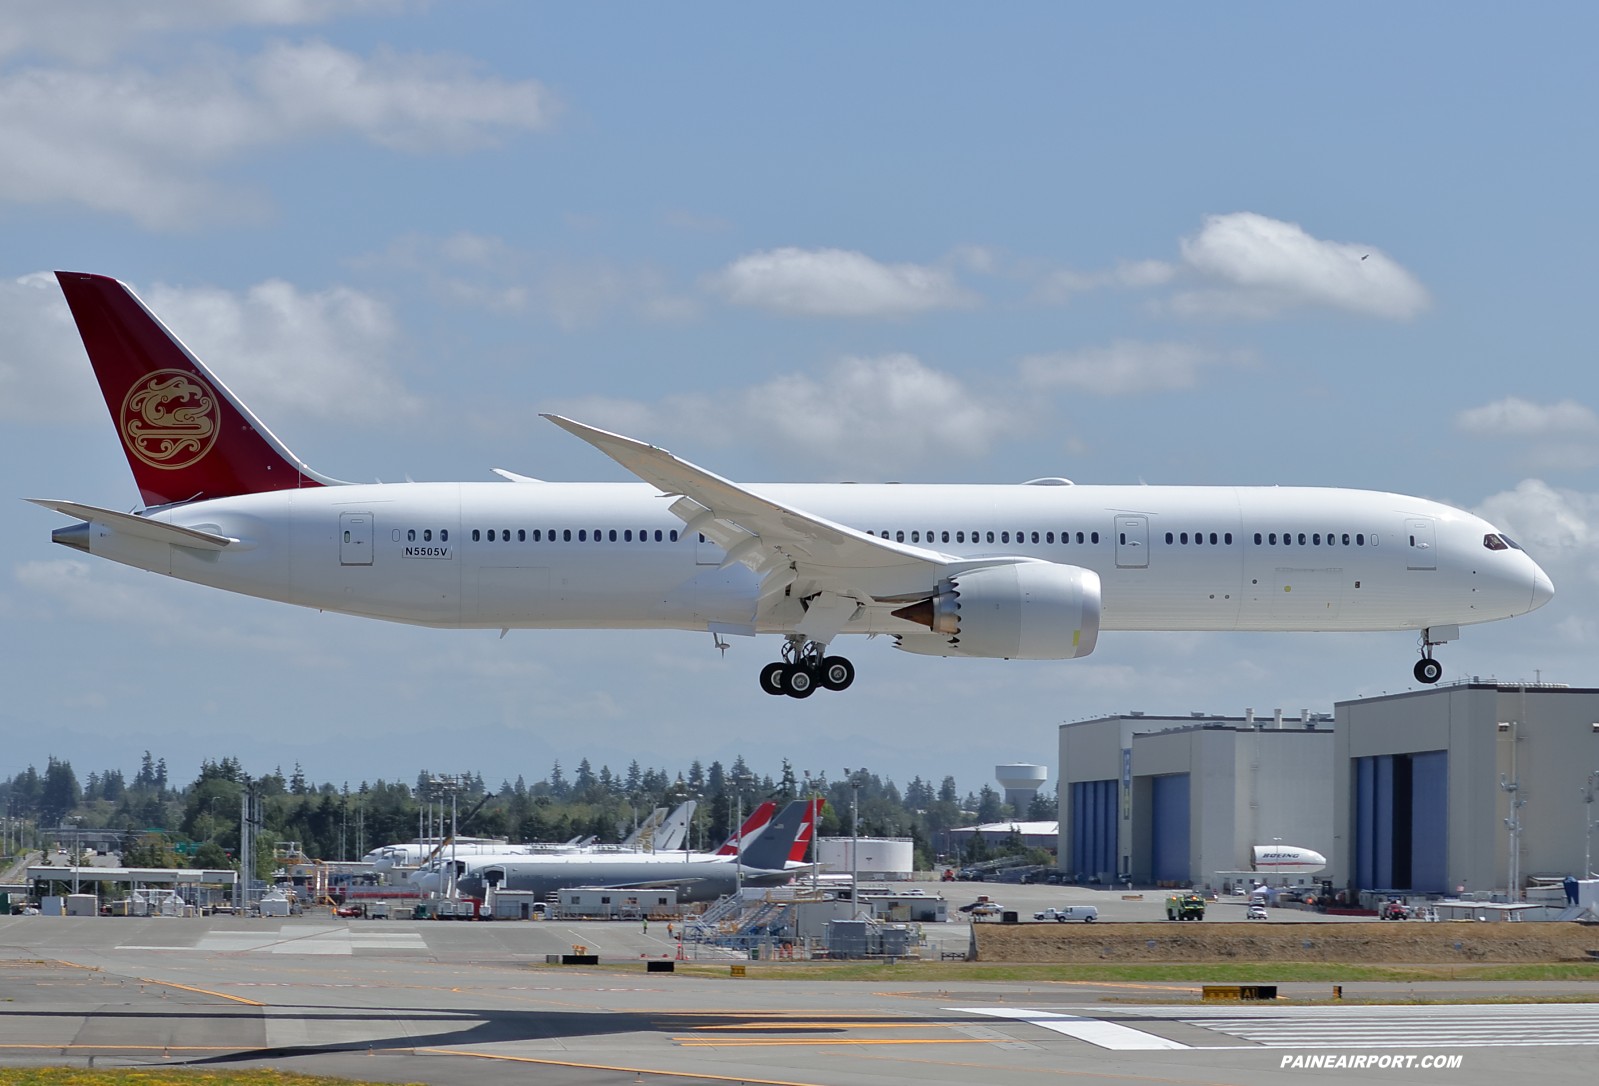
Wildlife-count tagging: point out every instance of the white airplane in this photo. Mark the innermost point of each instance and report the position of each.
(769, 857)
(1032, 571)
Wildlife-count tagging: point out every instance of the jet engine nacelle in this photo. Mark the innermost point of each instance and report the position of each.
(1024, 611)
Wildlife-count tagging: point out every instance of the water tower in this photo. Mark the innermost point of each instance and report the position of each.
(1021, 782)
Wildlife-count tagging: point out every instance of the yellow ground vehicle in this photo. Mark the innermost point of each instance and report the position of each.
(1185, 906)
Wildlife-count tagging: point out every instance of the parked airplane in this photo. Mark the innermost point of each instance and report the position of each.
(432, 861)
(1032, 571)
(697, 877)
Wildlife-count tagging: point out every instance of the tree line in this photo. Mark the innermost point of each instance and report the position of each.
(165, 824)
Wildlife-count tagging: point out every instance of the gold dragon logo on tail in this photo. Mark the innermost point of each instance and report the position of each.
(169, 419)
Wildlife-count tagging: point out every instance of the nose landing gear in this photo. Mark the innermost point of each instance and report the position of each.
(1427, 669)
(804, 668)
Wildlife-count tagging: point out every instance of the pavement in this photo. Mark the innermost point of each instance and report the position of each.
(454, 1003)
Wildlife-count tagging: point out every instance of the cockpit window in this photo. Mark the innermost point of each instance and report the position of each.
(1511, 542)
(1494, 543)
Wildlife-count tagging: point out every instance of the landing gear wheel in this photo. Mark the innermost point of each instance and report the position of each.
(1428, 671)
(798, 681)
(837, 673)
(772, 678)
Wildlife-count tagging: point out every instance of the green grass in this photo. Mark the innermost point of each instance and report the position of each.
(1219, 973)
(160, 1076)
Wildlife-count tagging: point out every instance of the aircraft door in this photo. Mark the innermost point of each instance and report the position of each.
(1132, 541)
(355, 539)
(1422, 552)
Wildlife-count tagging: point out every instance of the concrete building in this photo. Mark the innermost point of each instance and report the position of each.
(1021, 782)
(1178, 799)
(1418, 801)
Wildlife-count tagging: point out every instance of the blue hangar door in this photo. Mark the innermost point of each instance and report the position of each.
(1094, 830)
(1401, 820)
(1169, 859)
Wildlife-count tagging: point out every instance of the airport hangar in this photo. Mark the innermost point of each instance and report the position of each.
(1399, 792)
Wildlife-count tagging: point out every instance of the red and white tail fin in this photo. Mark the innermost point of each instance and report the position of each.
(753, 825)
(186, 436)
(802, 841)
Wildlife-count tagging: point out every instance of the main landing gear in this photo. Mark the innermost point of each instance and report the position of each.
(804, 667)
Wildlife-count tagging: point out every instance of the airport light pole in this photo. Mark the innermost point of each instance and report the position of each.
(739, 783)
(811, 787)
(1589, 791)
(855, 838)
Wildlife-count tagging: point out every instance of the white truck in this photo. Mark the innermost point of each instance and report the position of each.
(1086, 913)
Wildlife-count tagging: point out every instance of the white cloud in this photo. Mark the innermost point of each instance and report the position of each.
(318, 353)
(91, 30)
(864, 415)
(1515, 417)
(138, 142)
(73, 587)
(837, 283)
(1262, 267)
(1058, 287)
(1125, 368)
(44, 373)
(486, 272)
(1558, 527)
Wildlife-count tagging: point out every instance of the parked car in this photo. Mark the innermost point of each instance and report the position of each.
(1086, 913)
(1256, 912)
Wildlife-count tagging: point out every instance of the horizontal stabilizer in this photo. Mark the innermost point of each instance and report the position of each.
(142, 527)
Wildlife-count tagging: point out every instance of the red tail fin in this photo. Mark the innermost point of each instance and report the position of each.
(186, 436)
(813, 811)
(752, 825)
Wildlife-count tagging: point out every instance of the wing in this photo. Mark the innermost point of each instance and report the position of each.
(787, 546)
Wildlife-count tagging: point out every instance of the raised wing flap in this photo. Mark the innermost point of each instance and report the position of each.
(142, 527)
(856, 561)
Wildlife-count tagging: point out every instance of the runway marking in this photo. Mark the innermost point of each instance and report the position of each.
(1514, 1025)
(835, 1025)
(1096, 1031)
(692, 1042)
(628, 1070)
(202, 991)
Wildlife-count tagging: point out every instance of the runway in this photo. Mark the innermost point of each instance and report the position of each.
(464, 1003)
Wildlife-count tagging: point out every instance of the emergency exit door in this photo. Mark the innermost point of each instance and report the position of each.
(355, 539)
(1132, 541)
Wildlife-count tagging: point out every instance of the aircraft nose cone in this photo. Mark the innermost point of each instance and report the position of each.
(1543, 589)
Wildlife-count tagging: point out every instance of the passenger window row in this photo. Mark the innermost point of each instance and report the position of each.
(1313, 539)
(564, 535)
(977, 537)
(1199, 538)
(427, 535)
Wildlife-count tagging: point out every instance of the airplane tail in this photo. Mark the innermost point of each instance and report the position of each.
(186, 436)
(807, 830)
(748, 832)
(770, 852)
(675, 828)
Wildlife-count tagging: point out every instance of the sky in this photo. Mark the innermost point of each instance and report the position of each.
(920, 242)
